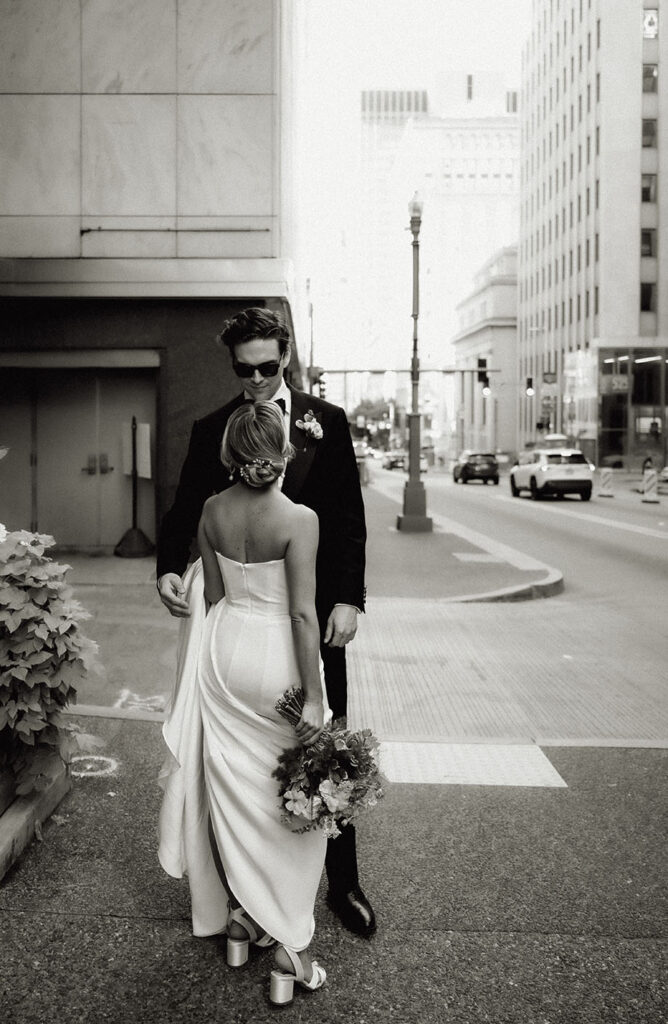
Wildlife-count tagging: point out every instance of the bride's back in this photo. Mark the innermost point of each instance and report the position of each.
(250, 525)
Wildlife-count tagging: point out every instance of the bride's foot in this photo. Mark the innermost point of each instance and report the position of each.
(294, 967)
(241, 931)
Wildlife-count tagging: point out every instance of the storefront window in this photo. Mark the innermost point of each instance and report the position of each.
(632, 407)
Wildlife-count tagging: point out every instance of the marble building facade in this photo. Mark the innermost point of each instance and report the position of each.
(146, 193)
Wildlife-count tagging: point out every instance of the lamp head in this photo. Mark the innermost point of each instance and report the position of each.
(415, 206)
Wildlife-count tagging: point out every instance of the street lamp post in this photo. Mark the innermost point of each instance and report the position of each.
(414, 518)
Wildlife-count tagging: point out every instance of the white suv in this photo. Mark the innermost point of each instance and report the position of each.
(543, 471)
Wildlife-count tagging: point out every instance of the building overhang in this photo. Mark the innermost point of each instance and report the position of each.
(507, 323)
(146, 278)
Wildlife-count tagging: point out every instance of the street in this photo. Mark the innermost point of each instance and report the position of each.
(612, 551)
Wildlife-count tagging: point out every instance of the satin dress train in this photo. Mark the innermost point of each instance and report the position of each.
(224, 737)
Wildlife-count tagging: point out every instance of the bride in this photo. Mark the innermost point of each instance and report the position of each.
(251, 635)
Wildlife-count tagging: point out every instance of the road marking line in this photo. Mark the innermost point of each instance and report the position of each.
(645, 531)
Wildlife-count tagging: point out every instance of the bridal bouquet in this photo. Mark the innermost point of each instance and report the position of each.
(330, 782)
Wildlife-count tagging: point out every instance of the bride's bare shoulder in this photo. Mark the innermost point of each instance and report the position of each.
(302, 517)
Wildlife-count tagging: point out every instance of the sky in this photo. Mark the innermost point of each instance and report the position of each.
(351, 45)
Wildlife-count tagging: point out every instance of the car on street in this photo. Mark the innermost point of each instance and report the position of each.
(476, 466)
(399, 460)
(394, 459)
(552, 471)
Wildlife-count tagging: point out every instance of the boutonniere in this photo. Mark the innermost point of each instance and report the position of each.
(310, 425)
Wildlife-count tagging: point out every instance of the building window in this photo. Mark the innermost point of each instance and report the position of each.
(598, 140)
(587, 253)
(579, 209)
(588, 98)
(570, 311)
(598, 86)
(570, 262)
(648, 242)
(650, 23)
(650, 75)
(596, 248)
(469, 87)
(648, 188)
(649, 132)
(597, 192)
(598, 33)
(647, 297)
(579, 255)
(595, 300)
(578, 308)
(588, 195)
(511, 102)
(587, 303)
(588, 149)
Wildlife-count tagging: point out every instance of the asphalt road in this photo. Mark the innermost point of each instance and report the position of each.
(611, 551)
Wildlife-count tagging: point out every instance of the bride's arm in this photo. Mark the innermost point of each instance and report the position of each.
(213, 581)
(300, 568)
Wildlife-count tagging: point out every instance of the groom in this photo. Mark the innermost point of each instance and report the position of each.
(323, 475)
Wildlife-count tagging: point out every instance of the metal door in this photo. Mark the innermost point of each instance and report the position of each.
(63, 474)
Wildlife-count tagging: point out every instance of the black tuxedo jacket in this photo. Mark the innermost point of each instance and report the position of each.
(323, 475)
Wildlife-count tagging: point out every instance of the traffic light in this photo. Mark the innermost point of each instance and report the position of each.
(315, 377)
(482, 376)
(529, 389)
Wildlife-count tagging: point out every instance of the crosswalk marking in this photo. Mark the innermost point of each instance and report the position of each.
(468, 764)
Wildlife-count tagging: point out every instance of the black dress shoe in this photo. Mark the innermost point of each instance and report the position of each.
(354, 911)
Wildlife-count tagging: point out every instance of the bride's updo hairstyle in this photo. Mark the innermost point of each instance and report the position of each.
(255, 443)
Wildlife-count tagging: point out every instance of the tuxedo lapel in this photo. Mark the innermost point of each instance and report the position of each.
(304, 446)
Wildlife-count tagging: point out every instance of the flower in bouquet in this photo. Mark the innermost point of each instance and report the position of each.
(330, 782)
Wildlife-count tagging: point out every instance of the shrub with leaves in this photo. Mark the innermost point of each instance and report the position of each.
(42, 655)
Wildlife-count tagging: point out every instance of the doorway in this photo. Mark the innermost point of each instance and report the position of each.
(64, 473)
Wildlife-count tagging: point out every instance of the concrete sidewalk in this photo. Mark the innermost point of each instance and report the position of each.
(516, 874)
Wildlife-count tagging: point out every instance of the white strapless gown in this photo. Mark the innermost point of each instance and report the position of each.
(224, 738)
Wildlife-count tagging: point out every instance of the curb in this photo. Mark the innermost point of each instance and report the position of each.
(22, 819)
(552, 584)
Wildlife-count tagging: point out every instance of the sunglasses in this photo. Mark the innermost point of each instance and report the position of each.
(247, 370)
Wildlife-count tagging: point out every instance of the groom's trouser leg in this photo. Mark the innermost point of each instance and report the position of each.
(341, 857)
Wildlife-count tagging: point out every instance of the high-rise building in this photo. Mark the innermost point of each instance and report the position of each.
(593, 265)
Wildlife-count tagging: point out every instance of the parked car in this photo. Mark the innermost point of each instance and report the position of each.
(543, 471)
(476, 466)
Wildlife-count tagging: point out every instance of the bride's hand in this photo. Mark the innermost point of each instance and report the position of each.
(310, 725)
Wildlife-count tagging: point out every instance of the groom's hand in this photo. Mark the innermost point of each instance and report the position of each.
(341, 625)
(172, 594)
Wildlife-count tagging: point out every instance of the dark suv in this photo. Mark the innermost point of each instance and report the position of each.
(476, 466)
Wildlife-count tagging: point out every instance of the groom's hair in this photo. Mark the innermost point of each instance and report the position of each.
(252, 323)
